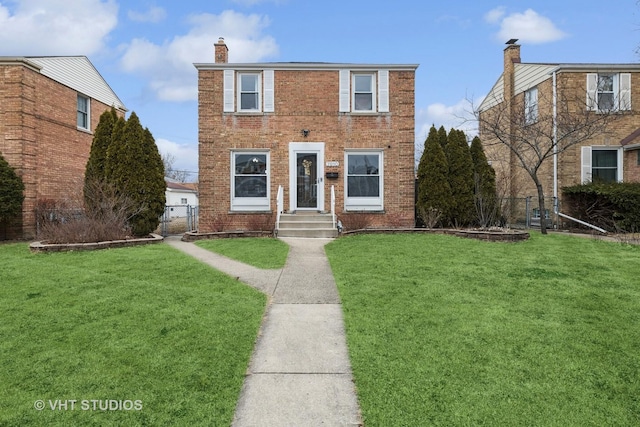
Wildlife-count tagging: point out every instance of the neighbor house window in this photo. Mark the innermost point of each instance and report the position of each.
(83, 112)
(531, 106)
(250, 181)
(183, 201)
(364, 181)
(609, 91)
(601, 164)
(364, 98)
(249, 93)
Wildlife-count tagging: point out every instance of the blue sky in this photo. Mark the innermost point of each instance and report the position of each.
(145, 48)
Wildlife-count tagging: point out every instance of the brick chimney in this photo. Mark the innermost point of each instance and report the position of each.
(222, 52)
(511, 57)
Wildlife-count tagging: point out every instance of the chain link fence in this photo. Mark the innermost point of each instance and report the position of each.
(178, 219)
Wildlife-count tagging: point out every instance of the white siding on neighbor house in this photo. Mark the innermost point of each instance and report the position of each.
(78, 73)
(174, 197)
(495, 95)
(530, 75)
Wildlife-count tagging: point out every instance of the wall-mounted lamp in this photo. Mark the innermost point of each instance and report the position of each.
(305, 132)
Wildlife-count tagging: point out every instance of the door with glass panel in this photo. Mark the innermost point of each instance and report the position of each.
(306, 173)
(307, 180)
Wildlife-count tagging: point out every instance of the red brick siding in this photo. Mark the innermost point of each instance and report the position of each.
(305, 100)
(40, 139)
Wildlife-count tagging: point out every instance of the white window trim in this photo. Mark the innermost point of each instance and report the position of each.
(258, 75)
(88, 112)
(374, 90)
(587, 162)
(380, 87)
(531, 106)
(364, 203)
(229, 90)
(249, 204)
(621, 91)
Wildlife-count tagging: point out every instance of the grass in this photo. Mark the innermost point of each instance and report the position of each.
(260, 252)
(145, 323)
(458, 332)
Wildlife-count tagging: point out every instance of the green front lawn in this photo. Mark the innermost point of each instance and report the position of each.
(260, 252)
(452, 332)
(146, 324)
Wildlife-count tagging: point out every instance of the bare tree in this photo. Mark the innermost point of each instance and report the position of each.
(168, 160)
(530, 135)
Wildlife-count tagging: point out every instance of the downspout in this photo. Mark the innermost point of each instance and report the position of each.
(556, 208)
(555, 144)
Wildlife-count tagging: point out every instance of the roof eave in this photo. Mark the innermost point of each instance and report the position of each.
(303, 66)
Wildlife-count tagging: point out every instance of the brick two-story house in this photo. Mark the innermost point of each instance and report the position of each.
(533, 93)
(49, 107)
(305, 128)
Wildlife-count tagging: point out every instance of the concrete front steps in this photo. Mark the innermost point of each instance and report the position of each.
(307, 224)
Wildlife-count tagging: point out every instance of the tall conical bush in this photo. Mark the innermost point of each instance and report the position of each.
(434, 192)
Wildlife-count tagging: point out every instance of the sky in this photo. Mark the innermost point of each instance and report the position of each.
(145, 49)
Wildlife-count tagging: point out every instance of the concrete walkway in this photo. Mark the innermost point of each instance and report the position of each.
(299, 374)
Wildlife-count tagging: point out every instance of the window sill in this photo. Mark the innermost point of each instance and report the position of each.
(246, 113)
(84, 130)
(250, 212)
(365, 113)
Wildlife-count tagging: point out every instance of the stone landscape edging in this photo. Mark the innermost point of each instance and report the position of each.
(109, 244)
(192, 236)
(488, 235)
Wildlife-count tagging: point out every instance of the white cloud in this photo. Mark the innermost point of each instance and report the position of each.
(169, 66)
(494, 15)
(185, 155)
(457, 116)
(56, 27)
(154, 14)
(528, 27)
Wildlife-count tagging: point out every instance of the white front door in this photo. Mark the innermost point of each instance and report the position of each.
(306, 176)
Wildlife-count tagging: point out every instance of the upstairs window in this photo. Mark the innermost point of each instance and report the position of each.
(249, 93)
(83, 112)
(531, 106)
(364, 92)
(364, 97)
(609, 92)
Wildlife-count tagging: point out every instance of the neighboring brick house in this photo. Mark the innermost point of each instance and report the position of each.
(305, 127)
(49, 107)
(529, 90)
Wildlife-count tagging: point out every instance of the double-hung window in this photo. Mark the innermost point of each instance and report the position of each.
(249, 91)
(364, 95)
(602, 164)
(249, 181)
(364, 180)
(83, 112)
(363, 91)
(249, 98)
(609, 91)
(531, 106)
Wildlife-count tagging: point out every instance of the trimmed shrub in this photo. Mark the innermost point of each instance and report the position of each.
(612, 206)
(434, 192)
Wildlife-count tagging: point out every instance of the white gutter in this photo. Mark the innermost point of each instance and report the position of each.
(555, 143)
(556, 209)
